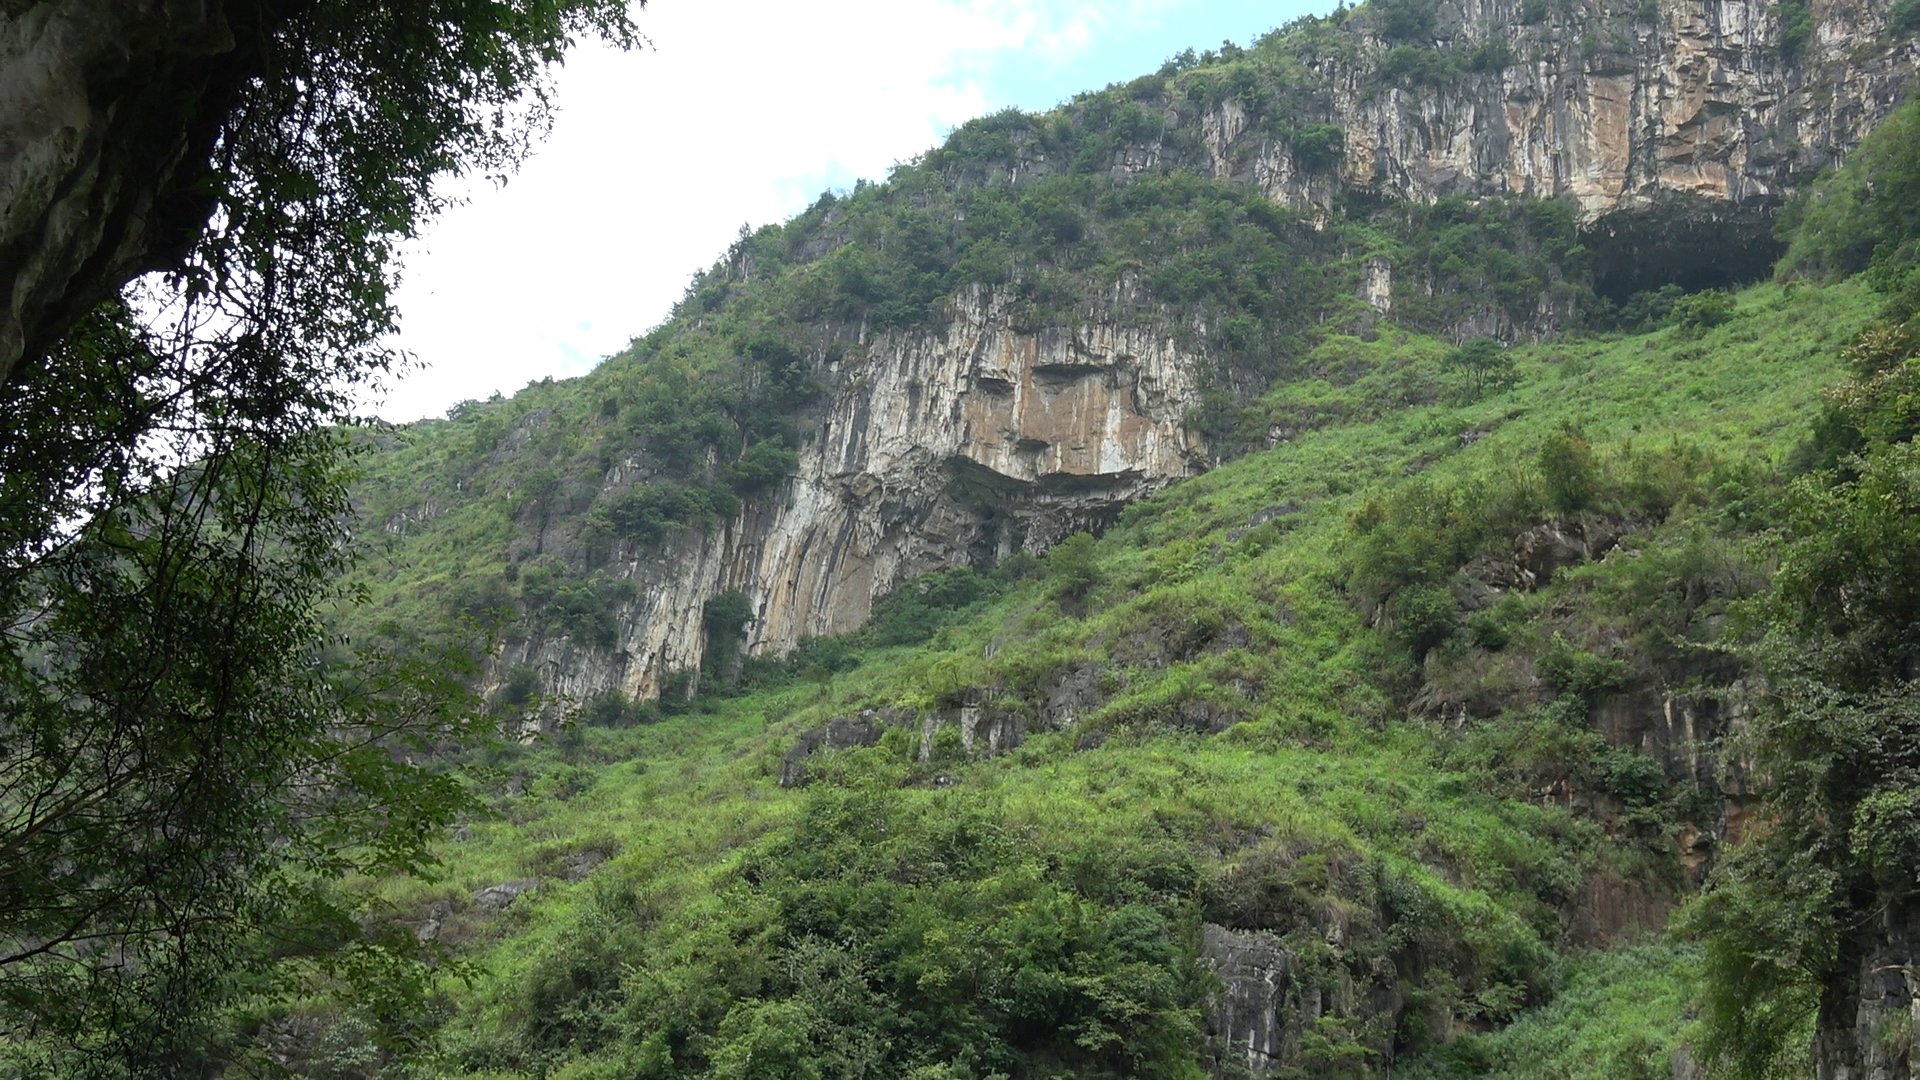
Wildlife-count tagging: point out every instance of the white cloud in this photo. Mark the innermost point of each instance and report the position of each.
(737, 115)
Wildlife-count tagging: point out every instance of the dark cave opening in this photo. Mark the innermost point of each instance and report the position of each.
(1694, 245)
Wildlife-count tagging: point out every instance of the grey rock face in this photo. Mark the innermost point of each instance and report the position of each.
(1869, 1023)
(936, 450)
(1678, 125)
(840, 733)
(1620, 109)
(500, 897)
(1248, 1024)
(97, 183)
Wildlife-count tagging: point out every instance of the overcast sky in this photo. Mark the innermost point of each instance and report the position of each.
(741, 112)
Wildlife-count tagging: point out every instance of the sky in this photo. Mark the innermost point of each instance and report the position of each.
(739, 112)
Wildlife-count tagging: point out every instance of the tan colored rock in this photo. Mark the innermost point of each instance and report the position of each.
(983, 439)
(1610, 112)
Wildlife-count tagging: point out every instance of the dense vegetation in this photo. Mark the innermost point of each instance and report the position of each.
(1453, 697)
(1385, 692)
(1380, 797)
(203, 202)
(1106, 209)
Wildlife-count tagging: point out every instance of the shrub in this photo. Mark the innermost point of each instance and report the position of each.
(610, 708)
(647, 514)
(1423, 617)
(1796, 28)
(1484, 362)
(1867, 213)
(1403, 20)
(725, 618)
(1072, 566)
(1905, 16)
(1578, 673)
(1699, 312)
(765, 464)
(916, 610)
(1495, 54)
(1319, 147)
(1571, 474)
(519, 689)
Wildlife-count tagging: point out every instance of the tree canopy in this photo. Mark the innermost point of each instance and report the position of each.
(187, 758)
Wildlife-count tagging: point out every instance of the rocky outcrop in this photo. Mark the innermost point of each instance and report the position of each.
(1870, 1020)
(840, 733)
(1252, 1028)
(500, 897)
(1677, 125)
(936, 449)
(108, 114)
(1680, 125)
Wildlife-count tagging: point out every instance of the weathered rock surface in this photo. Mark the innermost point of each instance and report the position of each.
(108, 114)
(500, 897)
(1670, 131)
(936, 449)
(840, 733)
(1249, 1024)
(1676, 126)
(1868, 1022)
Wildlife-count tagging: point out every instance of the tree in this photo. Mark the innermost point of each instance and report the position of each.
(1817, 918)
(1485, 362)
(1318, 147)
(187, 760)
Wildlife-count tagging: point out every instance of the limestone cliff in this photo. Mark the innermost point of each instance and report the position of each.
(1615, 107)
(935, 449)
(1677, 129)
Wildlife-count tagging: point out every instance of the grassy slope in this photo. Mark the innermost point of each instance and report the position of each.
(1323, 806)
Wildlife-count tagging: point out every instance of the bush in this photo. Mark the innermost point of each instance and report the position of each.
(610, 708)
(1319, 147)
(765, 464)
(1579, 674)
(1072, 566)
(1905, 16)
(1699, 312)
(725, 618)
(1403, 20)
(1423, 617)
(916, 610)
(1571, 474)
(1866, 214)
(1796, 28)
(518, 690)
(1495, 54)
(647, 514)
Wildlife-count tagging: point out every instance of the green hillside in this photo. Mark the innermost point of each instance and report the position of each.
(1457, 696)
(1037, 912)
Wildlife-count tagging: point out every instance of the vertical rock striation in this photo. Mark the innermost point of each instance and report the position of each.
(1676, 126)
(970, 444)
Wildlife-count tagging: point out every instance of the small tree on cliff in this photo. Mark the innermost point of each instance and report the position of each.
(185, 761)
